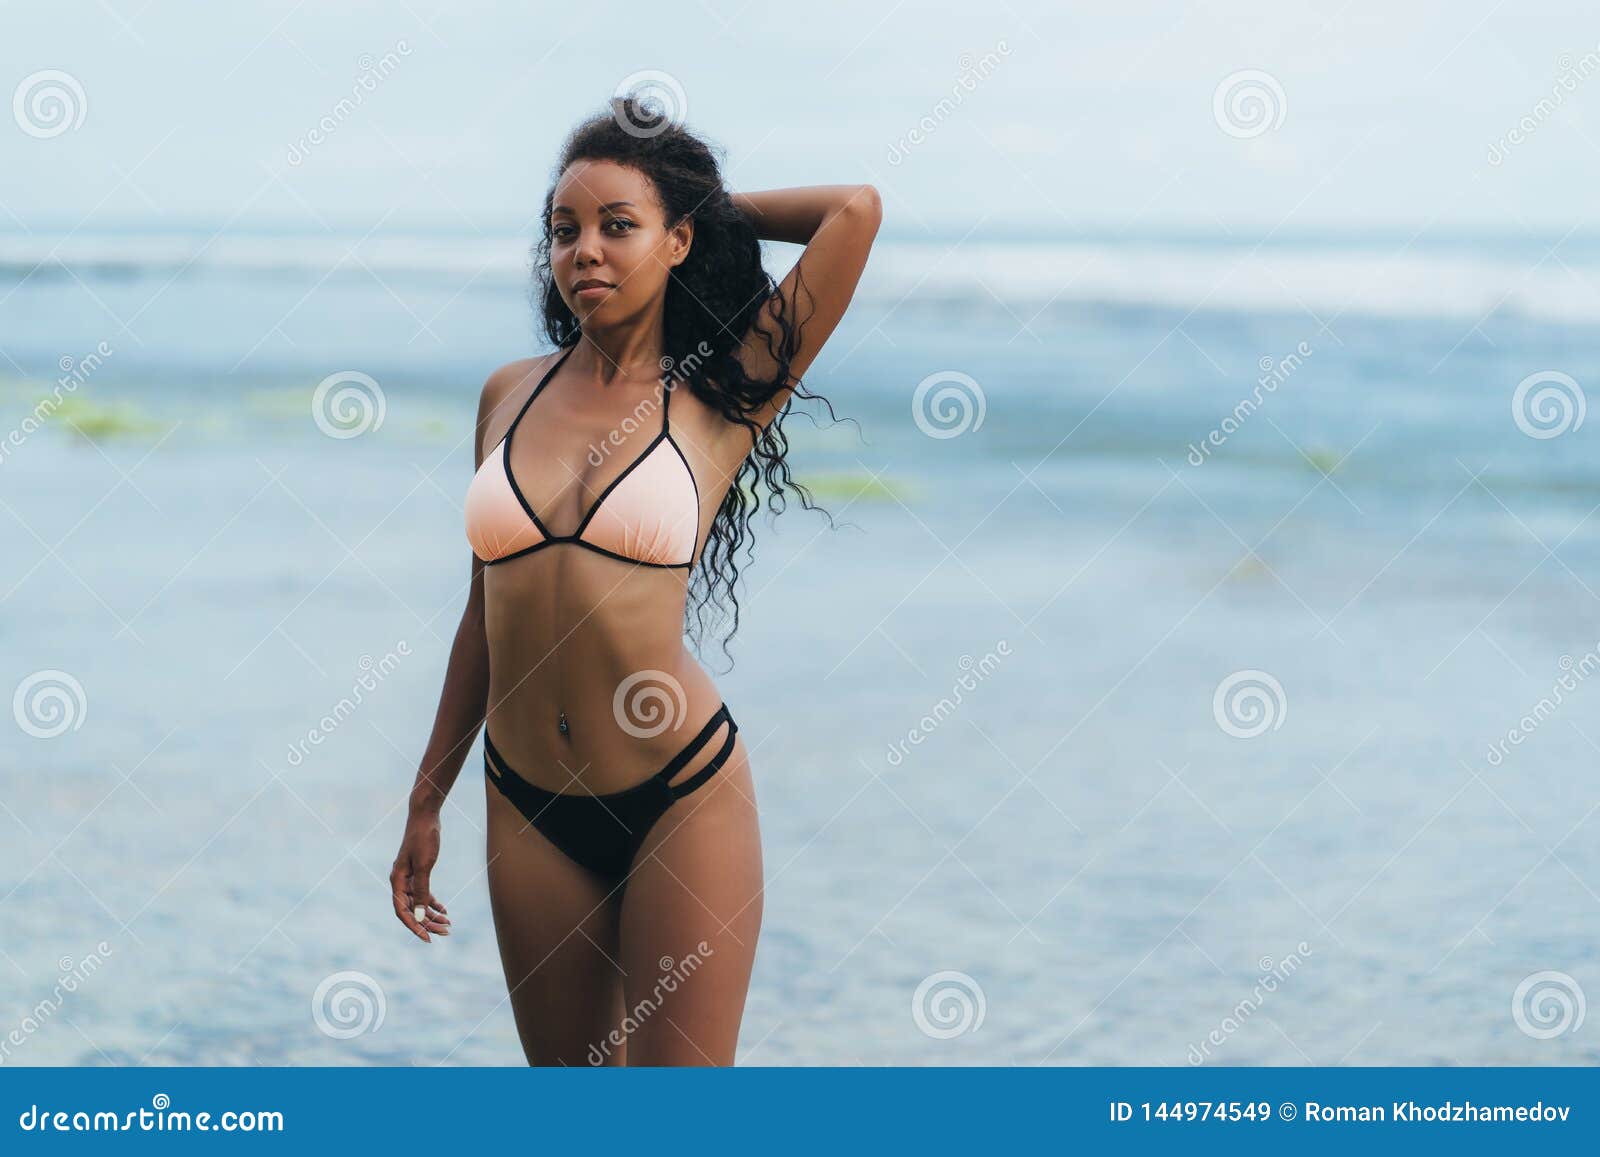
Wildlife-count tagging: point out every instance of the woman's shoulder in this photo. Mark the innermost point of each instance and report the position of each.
(500, 392)
(506, 380)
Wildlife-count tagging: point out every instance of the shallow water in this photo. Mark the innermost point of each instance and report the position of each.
(1107, 866)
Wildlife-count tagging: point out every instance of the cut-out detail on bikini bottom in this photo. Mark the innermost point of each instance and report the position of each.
(603, 833)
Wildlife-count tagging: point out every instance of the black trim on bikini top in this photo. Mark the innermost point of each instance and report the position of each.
(576, 536)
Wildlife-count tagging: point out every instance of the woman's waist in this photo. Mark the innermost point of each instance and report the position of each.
(601, 729)
(621, 626)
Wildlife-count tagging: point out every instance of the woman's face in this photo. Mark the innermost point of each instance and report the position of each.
(607, 227)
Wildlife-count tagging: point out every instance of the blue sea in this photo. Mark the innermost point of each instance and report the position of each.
(1197, 668)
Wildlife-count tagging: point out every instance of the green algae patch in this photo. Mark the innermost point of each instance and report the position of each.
(857, 486)
(101, 421)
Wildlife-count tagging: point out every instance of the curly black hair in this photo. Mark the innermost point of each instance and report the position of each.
(714, 297)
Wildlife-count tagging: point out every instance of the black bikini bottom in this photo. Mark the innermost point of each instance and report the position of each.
(603, 832)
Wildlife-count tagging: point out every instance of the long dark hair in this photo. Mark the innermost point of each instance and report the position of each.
(713, 297)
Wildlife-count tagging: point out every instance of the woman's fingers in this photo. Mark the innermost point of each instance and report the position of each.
(400, 889)
(434, 918)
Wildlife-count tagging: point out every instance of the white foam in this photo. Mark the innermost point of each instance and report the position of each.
(1460, 282)
(1386, 281)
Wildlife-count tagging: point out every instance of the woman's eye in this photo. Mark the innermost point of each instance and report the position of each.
(563, 232)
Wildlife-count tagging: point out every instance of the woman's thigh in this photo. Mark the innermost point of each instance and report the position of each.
(690, 919)
(558, 933)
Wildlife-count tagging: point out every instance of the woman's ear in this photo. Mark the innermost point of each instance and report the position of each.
(682, 235)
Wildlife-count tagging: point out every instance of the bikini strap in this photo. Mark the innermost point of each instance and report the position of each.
(692, 748)
(537, 390)
(495, 760)
(666, 406)
(713, 765)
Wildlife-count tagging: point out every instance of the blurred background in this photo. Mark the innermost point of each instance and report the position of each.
(1199, 671)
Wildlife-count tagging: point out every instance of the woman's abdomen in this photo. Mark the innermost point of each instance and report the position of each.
(601, 641)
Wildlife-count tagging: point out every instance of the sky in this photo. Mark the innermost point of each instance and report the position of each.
(1101, 117)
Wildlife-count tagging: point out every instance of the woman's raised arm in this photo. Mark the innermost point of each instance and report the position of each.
(837, 225)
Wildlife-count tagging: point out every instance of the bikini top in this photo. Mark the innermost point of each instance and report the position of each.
(649, 515)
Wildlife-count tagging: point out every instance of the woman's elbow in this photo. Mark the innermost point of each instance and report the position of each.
(866, 203)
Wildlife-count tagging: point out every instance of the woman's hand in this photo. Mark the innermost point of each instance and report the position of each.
(414, 902)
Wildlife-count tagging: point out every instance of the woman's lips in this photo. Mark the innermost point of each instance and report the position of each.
(590, 292)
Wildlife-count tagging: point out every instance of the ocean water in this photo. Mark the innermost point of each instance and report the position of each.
(1111, 723)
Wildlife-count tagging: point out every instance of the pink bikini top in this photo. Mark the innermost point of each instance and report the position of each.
(649, 515)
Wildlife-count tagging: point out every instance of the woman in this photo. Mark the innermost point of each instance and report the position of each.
(624, 858)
